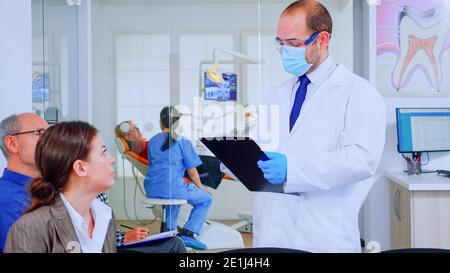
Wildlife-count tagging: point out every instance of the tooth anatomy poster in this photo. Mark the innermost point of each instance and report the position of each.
(413, 48)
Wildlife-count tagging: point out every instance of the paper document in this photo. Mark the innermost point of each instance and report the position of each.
(154, 237)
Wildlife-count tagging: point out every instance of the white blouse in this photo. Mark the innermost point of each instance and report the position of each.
(102, 216)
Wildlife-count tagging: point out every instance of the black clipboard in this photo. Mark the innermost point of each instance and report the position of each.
(240, 156)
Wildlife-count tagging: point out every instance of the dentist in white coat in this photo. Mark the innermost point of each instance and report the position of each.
(332, 133)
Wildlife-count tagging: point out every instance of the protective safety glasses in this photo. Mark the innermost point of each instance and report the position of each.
(296, 42)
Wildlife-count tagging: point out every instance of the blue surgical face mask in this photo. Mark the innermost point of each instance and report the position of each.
(294, 60)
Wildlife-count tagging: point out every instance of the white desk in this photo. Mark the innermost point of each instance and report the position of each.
(420, 210)
(421, 182)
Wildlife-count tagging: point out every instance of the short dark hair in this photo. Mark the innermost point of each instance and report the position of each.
(317, 16)
(169, 117)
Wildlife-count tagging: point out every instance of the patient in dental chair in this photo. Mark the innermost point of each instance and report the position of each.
(209, 171)
(134, 138)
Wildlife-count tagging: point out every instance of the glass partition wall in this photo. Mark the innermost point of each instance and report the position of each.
(147, 54)
(54, 53)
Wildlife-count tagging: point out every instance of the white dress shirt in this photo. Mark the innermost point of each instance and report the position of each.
(102, 216)
(316, 77)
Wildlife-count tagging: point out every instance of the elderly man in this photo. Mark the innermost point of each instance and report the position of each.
(18, 135)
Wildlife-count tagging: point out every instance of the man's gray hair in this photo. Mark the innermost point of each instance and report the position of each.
(8, 126)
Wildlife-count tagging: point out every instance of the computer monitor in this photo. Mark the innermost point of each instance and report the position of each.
(223, 91)
(40, 87)
(423, 130)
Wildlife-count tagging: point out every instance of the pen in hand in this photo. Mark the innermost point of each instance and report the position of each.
(126, 226)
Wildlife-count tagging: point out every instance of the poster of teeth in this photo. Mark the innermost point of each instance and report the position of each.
(413, 48)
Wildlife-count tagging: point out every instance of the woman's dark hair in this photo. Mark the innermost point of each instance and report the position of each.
(56, 152)
(169, 116)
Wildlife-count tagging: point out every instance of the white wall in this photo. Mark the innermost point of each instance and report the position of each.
(15, 56)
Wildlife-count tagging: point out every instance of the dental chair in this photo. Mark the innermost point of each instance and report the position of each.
(216, 235)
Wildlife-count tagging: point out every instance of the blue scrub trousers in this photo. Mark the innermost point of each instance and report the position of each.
(201, 202)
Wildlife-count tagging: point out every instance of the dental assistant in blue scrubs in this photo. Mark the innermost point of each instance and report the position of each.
(169, 157)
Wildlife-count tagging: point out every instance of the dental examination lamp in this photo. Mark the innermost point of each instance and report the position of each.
(214, 73)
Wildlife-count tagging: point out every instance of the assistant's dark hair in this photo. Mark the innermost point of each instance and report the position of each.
(56, 152)
(169, 116)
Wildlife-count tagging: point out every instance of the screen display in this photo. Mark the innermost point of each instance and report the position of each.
(40, 87)
(423, 129)
(224, 91)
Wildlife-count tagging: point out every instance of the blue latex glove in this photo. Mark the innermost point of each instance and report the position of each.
(274, 169)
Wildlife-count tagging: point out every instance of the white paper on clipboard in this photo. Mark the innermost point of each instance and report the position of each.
(154, 237)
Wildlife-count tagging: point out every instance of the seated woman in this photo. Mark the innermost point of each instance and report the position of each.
(169, 156)
(65, 215)
(134, 138)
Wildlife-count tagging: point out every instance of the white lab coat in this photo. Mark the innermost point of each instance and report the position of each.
(332, 152)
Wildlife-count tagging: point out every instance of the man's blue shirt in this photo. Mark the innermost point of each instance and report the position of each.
(14, 200)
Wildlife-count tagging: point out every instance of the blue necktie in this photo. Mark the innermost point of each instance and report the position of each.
(299, 99)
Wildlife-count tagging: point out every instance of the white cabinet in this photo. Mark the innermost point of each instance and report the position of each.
(400, 217)
(419, 211)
